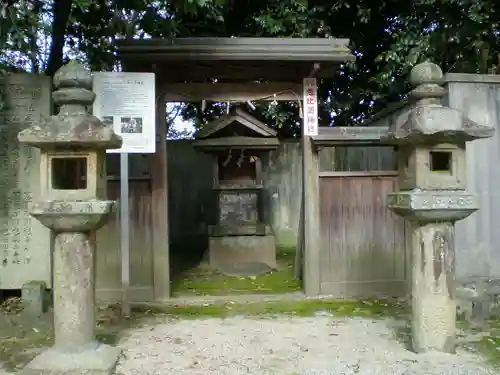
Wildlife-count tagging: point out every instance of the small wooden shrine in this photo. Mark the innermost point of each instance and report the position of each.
(240, 240)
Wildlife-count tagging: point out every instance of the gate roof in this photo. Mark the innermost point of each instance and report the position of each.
(234, 59)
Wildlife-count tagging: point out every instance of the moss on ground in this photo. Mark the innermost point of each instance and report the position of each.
(365, 308)
(487, 343)
(489, 347)
(17, 351)
(204, 281)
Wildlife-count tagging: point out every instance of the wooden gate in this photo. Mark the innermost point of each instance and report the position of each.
(363, 243)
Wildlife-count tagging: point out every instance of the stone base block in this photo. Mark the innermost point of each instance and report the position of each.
(230, 250)
(99, 360)
(35, 297)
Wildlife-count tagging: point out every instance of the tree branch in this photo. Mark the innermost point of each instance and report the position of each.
(170, 118)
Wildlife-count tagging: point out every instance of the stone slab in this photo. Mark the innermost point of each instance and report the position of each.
(72, 216)
(433, 205)
(34, 296)
(24, 242)
(242, 249)
(97, 360)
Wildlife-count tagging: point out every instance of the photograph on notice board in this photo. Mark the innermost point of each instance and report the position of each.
(107, 120)
(131, 125)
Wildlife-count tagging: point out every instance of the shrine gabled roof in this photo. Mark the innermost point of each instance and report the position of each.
(239, 116)
(234, 59)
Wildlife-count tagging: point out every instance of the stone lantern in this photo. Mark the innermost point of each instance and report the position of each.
(73, 205)
(431, 142)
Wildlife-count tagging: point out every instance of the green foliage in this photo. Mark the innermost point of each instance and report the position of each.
(18, 25)
(388, 37)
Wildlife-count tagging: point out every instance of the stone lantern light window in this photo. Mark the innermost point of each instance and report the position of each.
(69, 173)
(441, 161)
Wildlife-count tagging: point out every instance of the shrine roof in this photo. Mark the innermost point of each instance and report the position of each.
(234, 59)
(236, 116)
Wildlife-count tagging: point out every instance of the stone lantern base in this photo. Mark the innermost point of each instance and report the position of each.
(432, 215)
(97, 360)
(76, 351)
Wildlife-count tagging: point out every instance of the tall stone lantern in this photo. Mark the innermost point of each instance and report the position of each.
(73, 205)
(431, 142)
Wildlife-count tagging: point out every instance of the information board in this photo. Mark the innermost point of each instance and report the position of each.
(127, 101)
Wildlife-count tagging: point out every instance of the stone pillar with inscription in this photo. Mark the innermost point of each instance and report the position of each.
(24, 242)
(431, 142)
(73, 205)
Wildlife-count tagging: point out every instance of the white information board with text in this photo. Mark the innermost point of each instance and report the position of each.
(127, 101)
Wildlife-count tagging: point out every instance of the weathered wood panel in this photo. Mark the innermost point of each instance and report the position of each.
(365, 159)
(141, 245)
(191, 208)
(282, 179)
(363, 243)
(190, 181)
(189, 190)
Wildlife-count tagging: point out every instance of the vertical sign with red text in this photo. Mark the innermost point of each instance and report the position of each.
(310, 106)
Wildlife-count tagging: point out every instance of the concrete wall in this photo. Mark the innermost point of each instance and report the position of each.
(478, 236)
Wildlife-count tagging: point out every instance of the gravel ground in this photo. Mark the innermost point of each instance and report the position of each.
(283, 346)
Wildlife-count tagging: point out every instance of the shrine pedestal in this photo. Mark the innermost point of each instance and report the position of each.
(232, 253)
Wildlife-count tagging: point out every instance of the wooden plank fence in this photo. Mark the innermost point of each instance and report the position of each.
(363, 243)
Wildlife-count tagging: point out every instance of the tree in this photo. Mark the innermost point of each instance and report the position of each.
(19, 22)
(388, 37)
(87, 27)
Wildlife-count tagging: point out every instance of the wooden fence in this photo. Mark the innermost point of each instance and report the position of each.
(363, 244)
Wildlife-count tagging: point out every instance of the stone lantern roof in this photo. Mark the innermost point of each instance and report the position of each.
(73, 127)
(428, 121)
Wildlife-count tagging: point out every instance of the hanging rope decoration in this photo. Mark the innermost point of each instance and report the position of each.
(190, 98)
(228, 158)
(239, 162)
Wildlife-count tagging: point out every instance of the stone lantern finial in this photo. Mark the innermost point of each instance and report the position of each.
(428, 121)
(427, 80)
(73, 75)
(73, 84)
(73, 127)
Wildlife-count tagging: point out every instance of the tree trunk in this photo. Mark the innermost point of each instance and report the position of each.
(61, 10)
(35, 68)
